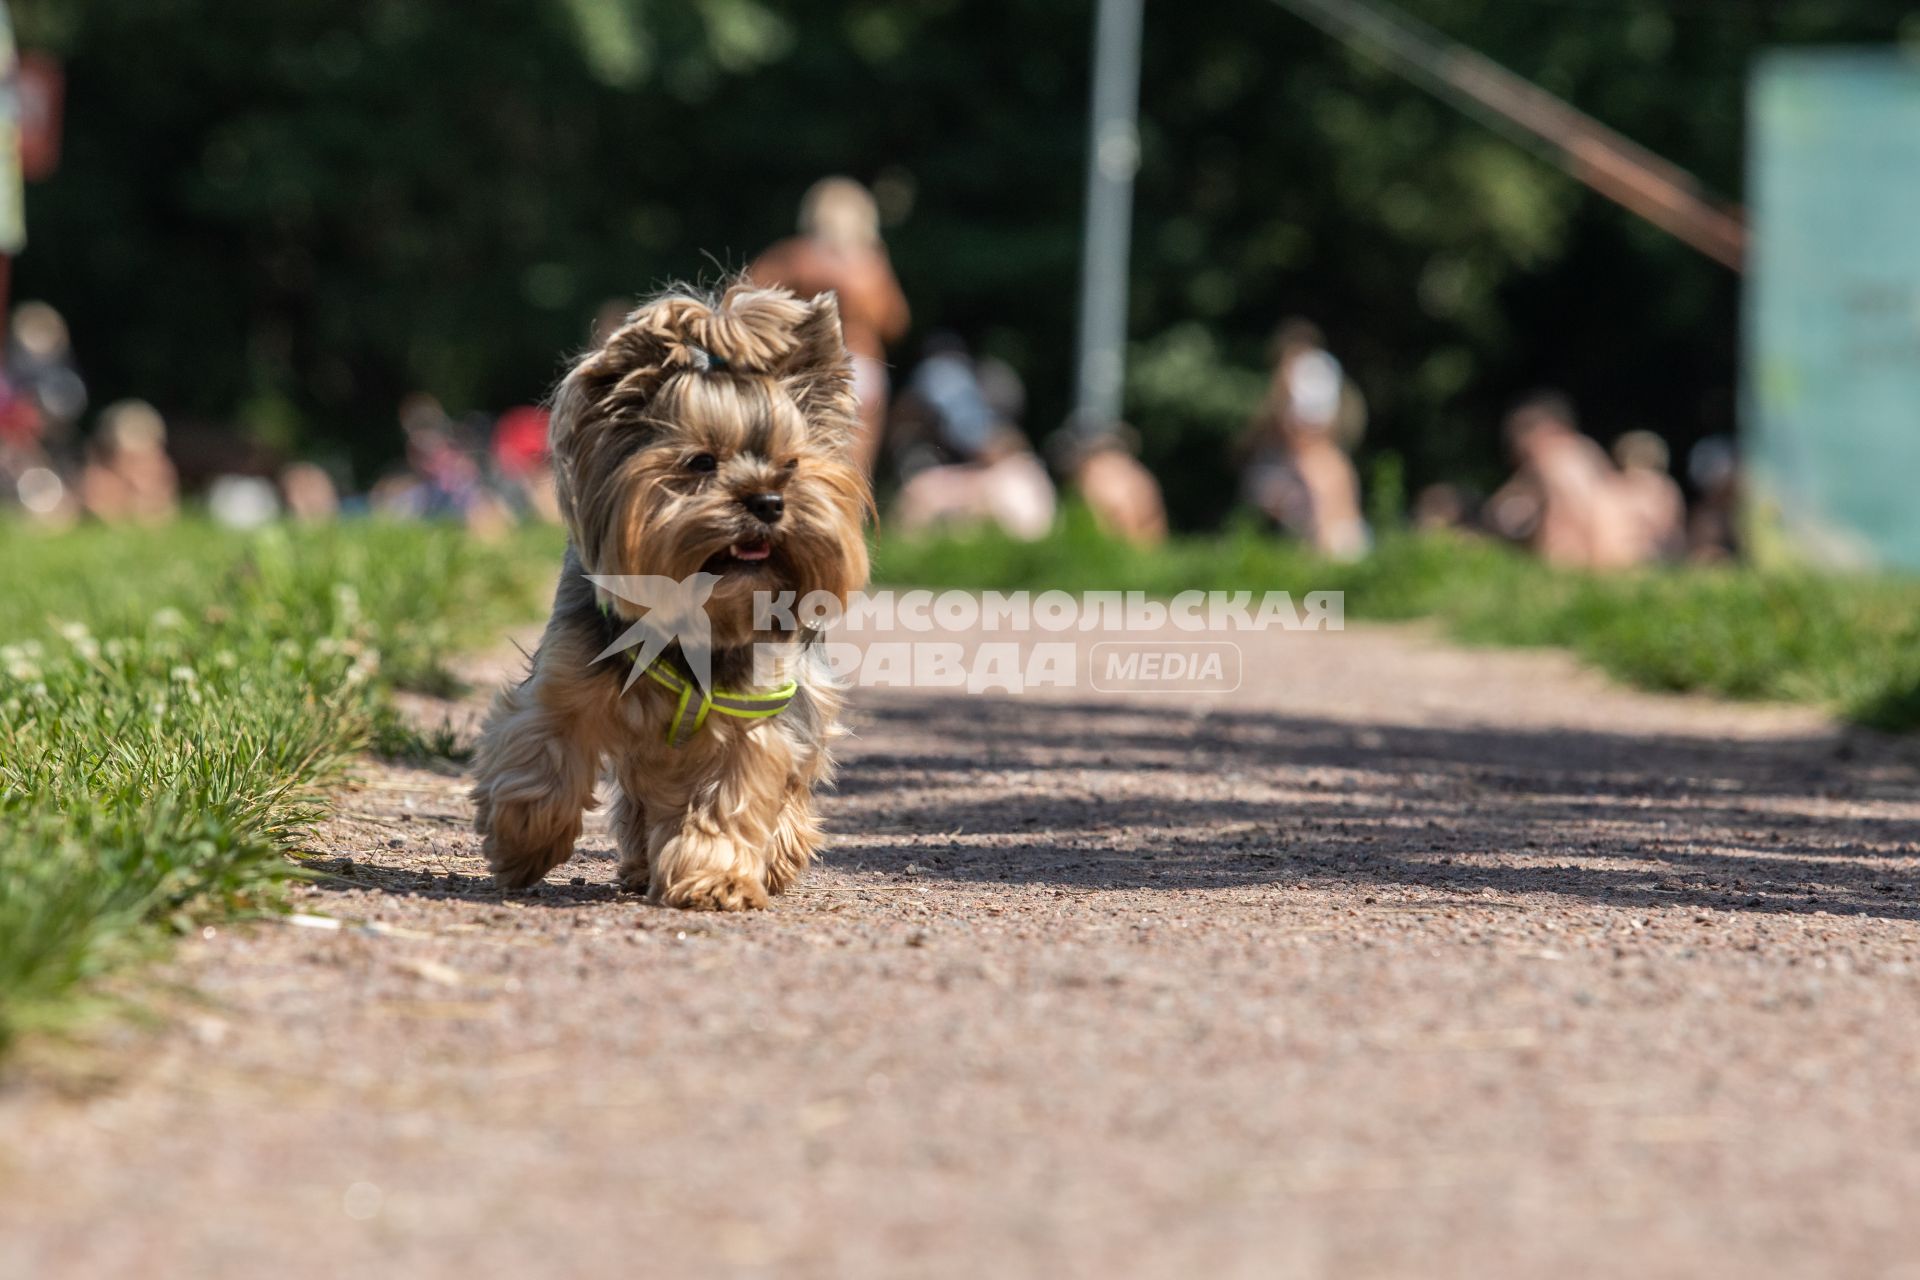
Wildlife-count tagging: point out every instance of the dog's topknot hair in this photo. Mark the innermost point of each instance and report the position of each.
(753, 330)
(746, 330)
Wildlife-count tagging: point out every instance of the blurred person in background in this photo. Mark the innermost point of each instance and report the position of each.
(1298, 469)
(128, 477)
(951, 407)
(839, 249)
(1713, 528)
(1653, 501)
(521, 466)
(41, 367)
(962, 456)
(1564, 501)
(308, 493)
(26, 475)
(1442, 508)
(1099, 464)
(443, 479)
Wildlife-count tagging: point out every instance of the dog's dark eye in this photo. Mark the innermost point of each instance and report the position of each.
(702, 462)
(793, 464)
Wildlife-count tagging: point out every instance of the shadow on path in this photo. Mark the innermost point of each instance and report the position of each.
(1111, 795)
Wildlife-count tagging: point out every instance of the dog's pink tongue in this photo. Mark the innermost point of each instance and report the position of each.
(751, 550)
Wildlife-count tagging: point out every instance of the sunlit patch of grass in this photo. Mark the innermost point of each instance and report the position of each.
(174, 703)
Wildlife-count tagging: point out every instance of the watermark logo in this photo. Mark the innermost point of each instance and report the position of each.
(676, 613)
(1152, 666)
(1051, 611)
(1015, 641)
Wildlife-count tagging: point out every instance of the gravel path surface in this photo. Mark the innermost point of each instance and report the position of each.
(1400, 960)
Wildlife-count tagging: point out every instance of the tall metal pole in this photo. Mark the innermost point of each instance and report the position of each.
(1113, 155)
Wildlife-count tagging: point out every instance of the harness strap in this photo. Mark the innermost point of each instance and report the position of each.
(690, 712)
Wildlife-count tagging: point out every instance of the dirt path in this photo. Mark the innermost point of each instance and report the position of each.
(1399, 961)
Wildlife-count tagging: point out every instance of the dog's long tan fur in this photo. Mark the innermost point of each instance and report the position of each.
(661, 437)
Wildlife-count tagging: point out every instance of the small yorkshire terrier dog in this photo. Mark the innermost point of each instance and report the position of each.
(708, 435)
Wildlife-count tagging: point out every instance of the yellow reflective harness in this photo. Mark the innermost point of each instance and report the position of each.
(690, 712)
(690, 715)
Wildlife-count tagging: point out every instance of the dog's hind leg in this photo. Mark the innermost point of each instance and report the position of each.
(534, 773)
(630, 834)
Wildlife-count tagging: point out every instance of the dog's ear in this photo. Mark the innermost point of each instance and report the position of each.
(594, 377)
(575, 404)
(624, 371)
(819, 373)
(818, 337)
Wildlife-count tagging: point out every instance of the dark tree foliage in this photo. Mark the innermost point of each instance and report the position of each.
(286, 216)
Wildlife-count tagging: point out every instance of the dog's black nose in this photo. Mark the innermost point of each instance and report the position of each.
(767, 506)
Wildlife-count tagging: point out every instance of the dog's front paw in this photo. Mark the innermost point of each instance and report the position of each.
(522, 842)
(714, 891)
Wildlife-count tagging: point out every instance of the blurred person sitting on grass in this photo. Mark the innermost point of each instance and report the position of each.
(1713, 527)
(1444, 508)
(28, 475)
(1099, 463)
(308, 493)
(128, 477)
(443, 479)
(839, 249)
(1654, 503)
(522, 465)
(1565, 501)
(960, 450)
(41, 369)
(1298, 469)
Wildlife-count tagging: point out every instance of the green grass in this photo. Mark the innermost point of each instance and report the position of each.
(1848, 643)
(173, 704)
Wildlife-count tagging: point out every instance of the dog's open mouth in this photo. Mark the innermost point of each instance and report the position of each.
(752, 553)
